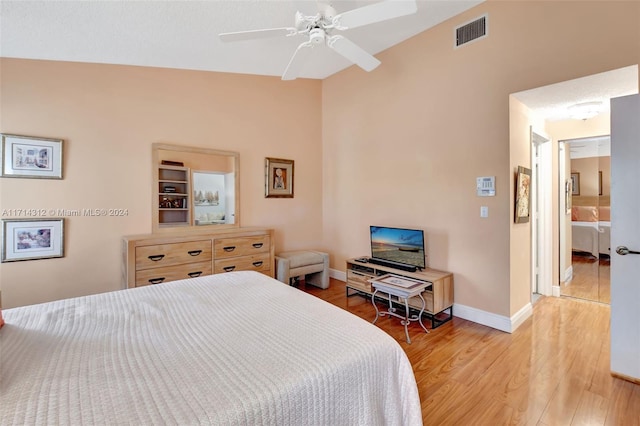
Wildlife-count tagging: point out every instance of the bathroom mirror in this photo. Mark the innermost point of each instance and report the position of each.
(194, 187)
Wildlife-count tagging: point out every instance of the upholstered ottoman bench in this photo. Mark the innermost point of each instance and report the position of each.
(314, 265)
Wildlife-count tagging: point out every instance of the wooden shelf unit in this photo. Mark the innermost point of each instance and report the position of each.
(438, 297)
(174, 207)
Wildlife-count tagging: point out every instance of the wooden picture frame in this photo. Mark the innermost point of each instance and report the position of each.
(575, 183)
(29, 239)
(522, 209)
(30, 157)
(567, 196)
(600, 183)
(278, 178)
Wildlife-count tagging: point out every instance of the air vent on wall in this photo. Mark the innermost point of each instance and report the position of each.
(471, 31)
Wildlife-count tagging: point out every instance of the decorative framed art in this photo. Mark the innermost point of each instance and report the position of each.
(523, 195)
(278, 178)
(30, 157)
(567, 196)
(575, 183)
(600, 183)
(28, 239)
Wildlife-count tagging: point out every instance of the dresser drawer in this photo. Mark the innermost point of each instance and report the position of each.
(241, 246)
(172, 254)
(258, 262)
(172, 273)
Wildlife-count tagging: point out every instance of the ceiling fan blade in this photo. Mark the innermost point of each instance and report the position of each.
(377, 12)
(297, 61)
(353, 52)
(254, 34)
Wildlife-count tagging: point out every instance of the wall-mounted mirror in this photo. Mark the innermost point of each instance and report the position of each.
(194, 187)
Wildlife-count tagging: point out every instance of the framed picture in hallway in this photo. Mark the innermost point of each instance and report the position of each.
(575, 183)
(567, 196)
(600, 183)
(523, 195)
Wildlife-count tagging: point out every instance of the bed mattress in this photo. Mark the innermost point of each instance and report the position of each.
(232, 349)
(591, 237)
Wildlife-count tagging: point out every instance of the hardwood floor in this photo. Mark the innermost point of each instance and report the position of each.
(553, 370)
(591, 278)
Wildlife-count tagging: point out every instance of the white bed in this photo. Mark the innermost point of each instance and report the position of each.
(591, 230)
(237, 348)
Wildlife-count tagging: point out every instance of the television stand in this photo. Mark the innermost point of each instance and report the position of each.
(438, 296)
(390, 264)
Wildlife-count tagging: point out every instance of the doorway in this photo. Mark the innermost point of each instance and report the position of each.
(553, 110)
(541, 225)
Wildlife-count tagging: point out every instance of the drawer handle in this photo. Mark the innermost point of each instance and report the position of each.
(229, 268)
(156, 280)
(256, 264)
(195, 274)
(156, 257)
(229, 248)
(258, 245)
(194, 252)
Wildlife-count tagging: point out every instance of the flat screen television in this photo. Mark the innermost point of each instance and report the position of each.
(398, 247)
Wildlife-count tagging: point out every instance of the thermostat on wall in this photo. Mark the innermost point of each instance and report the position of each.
(486, 186)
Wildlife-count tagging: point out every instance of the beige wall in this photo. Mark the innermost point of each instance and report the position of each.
(521, 123)
(404, 144)
(588, 172)
(109, 116)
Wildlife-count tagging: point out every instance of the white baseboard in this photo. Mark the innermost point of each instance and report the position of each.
(492, 320)
(568, 274)
(555, 291)
(489, 319)
(338, 275)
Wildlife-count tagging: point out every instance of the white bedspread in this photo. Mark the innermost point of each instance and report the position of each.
(238, 348)
(591, 237)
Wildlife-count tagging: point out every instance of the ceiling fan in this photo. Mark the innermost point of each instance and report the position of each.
(319, 28)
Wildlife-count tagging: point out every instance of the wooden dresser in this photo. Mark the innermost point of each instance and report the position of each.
(160, 258)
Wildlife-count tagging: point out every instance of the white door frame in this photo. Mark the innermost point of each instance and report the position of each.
(541, 226)
(566, 274)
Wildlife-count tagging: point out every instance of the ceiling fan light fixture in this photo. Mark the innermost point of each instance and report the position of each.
(585, 110)
(316, 36)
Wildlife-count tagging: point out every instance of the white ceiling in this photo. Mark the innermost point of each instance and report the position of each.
(184, 33)
(552, 103)
(597, 146)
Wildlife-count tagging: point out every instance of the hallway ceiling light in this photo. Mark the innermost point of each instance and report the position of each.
(585, 110)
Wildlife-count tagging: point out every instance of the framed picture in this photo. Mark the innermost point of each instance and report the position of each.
(575, 183)
(600, 183)
(27, 239)
(31, 157)
(567, 196)
(278, 178)
(523, 195)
